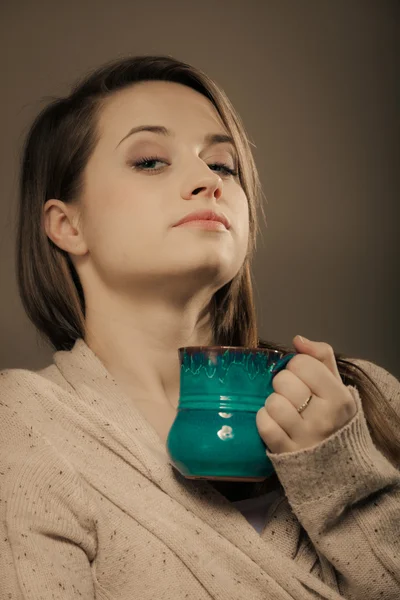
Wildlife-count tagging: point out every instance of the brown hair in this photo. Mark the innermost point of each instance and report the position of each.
(56, 152)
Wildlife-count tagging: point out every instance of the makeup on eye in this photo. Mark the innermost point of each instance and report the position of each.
(140, 165)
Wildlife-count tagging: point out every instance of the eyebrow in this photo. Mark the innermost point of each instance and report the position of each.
(210, 139)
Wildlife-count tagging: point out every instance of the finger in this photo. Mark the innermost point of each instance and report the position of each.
(287, 384)
(275, 438)
(316, 377)
(319, 350)
(284, 413)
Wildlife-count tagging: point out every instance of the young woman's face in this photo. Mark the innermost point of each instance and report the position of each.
(138, 185)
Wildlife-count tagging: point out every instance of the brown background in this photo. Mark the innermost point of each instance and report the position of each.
(316, 83)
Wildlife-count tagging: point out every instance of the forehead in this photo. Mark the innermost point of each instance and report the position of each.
(171, 104)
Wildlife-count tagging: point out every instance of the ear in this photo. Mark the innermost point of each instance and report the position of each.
(61, 222)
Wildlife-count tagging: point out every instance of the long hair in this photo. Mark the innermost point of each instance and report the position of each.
(56, 152)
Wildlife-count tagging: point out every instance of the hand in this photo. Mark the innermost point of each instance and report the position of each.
(312, 371)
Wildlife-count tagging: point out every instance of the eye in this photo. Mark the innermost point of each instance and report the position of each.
(146, 163)
(225, 168)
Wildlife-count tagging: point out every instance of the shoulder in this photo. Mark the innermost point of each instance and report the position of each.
(388, 401)
(32, 437)
(386, 381)
(25, 377)
(28, 400)
(18, 385)
(21, 405)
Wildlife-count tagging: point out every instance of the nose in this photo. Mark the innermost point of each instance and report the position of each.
(208, 185)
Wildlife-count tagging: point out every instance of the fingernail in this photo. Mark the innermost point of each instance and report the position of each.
(303, 339)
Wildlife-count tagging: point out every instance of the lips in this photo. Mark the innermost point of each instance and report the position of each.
(205, 215)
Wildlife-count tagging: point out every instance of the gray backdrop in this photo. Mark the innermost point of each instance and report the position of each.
(316, 83)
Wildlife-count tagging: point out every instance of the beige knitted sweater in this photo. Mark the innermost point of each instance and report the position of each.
(90, 506)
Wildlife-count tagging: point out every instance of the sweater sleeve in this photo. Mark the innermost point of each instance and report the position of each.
(346, 495)
(47, 534)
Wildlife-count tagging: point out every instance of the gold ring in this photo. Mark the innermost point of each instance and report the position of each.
(303, 406)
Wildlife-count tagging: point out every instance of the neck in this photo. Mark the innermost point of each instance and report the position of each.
(138, 343)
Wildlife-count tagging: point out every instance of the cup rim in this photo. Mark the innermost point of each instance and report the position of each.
(192, 349)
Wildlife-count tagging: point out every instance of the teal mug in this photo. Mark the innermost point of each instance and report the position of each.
(214, 435)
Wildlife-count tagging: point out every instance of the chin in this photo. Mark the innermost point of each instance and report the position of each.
(215, 273)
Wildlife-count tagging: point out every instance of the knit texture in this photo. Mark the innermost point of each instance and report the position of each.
(90, 506)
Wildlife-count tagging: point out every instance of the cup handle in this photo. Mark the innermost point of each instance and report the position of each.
(282, 362)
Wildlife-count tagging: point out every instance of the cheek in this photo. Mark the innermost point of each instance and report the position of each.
(113, 205)
(118, 220)
(122, 244)
(240, 213)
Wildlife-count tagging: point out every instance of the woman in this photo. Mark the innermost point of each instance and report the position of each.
(90, 504)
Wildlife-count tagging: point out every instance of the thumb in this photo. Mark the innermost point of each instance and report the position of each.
(319, 350)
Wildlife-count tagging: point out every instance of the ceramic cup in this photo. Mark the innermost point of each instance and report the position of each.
(214, 435)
